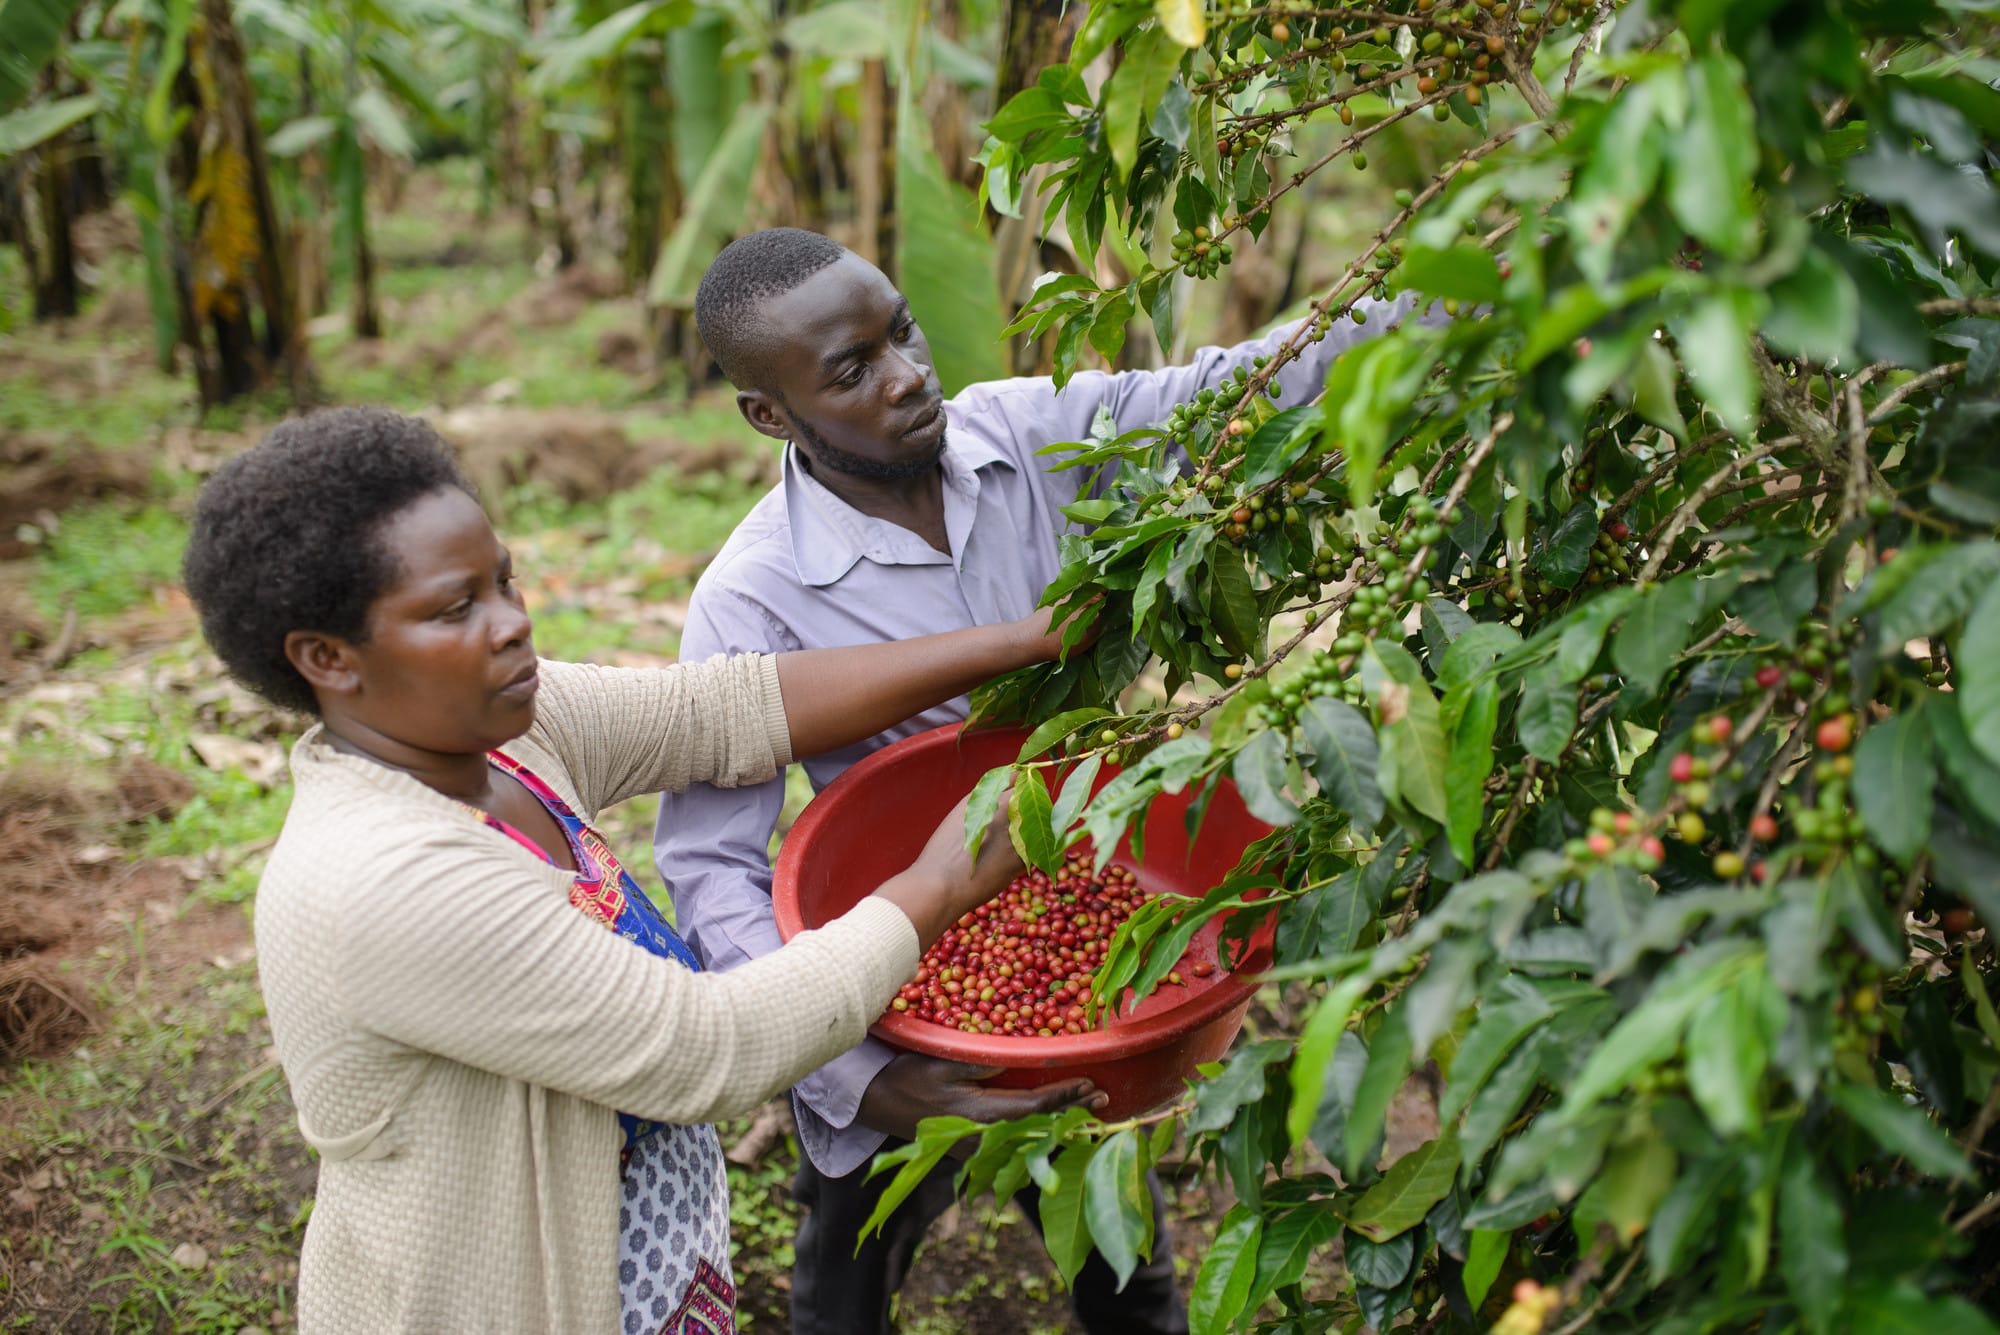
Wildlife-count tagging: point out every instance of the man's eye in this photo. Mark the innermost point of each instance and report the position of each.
(852, 378)
(904, 334)
(456, 611)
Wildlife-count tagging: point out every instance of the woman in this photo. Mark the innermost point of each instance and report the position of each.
(506, 1097)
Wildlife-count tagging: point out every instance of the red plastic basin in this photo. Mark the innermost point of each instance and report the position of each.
(872, 821)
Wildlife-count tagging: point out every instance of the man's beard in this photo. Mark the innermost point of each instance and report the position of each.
(854, 465)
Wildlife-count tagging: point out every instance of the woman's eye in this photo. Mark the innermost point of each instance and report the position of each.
(904, 334)
(456, 611)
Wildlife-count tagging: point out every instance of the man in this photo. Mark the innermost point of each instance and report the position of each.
(900, 513)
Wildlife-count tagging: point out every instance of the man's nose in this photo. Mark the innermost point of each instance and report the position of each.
(907, 375)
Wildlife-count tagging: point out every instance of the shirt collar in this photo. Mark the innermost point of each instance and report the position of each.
(828, 535)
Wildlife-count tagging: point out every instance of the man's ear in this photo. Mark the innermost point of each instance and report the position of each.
(762, 412)
(327, 662)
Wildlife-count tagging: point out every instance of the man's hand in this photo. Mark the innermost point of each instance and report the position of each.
(1045, 632)
(911, 1088)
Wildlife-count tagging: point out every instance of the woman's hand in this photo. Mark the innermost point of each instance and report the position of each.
(945, 883)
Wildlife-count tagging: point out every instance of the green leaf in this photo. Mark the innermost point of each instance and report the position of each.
(1412, 761)
(1941, 585)
(1117, 1204)
(1276, 445)
(1484, 1257)
(297, 136)
(1406, 1193)
(1895, 772)
(1583, 632)
(1259, 771)
(1714, 342)
(1616, 179)
(1388, 1066)
(1567, 555)
(1471, 653)
(1380, 1265)
(1057, 728)
(1659, 627)
(1976, 658)
(1228, 1268)
(1345, 758)
(1233, 604)
(1466, 771)
(1729, 1043)
(31, 31)
(1654, 385)
(1713, 157)
(844, 29)
(1902, 1130)
(1314, 1054)
(1686, 1212)
(22, 130)
(1324, 922)
(566, 61)
(945, 261)
(1901, 1308)
(1183, 20)
(1497, 1032)
(1634, 1180)
(1775, 607)
(382, 125)
(1063, 1220)
(1812, 1251)
(983, 805)
(1133, 90)
(1815, 311)
(1652, 1030)
(1240, 1081)
(1547, 715)
(1030, 822)
(715, 211)
(1289, 1242)
(1467, 273)
(1075, 792)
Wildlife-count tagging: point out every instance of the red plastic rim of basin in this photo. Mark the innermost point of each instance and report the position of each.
(1125, 1036)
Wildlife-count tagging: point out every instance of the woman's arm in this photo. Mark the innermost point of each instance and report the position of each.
(507, 977)
(836, 697)
(621, 732)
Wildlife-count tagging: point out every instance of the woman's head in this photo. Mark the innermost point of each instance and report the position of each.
(343, 568)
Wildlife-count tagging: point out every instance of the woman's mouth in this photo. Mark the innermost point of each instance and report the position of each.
(523, 687)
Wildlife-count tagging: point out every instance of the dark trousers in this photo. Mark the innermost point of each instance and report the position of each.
(836, 1291)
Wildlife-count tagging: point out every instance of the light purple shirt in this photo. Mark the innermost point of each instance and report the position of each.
(804, 570)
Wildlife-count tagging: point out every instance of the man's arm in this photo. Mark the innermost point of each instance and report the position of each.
(1041, 415)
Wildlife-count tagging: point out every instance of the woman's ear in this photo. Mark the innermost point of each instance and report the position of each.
(761, 411)
(327, 662)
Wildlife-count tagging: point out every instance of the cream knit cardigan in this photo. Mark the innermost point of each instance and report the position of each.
(457, 1037)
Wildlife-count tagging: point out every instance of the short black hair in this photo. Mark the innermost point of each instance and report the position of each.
(749, 271)
(287, 536)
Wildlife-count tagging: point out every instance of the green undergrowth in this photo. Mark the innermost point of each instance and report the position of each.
(164, 1132)
(108, 557)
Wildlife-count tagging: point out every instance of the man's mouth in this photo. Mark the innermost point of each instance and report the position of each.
(924, 424)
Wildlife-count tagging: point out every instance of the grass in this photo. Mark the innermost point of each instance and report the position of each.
(106, 558)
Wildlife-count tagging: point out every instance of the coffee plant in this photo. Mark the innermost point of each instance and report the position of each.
(1616, 655)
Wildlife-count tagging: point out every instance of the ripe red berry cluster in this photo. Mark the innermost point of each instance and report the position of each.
(1022, 963)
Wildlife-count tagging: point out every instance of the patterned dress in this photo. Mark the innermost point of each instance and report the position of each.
(673, 1211)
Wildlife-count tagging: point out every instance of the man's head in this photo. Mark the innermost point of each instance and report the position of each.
(823, 352)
